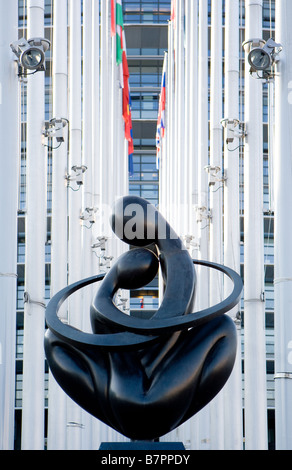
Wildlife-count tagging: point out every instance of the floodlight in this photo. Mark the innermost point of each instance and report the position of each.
(32, 59)
(31, 53)
(55, 128)
(259, 59)
(262, 55)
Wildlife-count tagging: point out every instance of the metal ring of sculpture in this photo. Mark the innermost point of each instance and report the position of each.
(140, 327)
(145, 377)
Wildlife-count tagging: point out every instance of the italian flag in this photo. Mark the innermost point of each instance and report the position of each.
(117, 27)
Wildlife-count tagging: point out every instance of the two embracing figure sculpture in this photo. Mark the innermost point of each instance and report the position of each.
(145, 376)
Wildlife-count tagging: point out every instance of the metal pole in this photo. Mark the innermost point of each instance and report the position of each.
(216, 234)
(193, 164)
(233, 390)
(203, 203)
(254, 305)
(283, 229)
(176, 123)
(180, 156)
(57, 398)
(96, 157)
(170, 121)
(193, 117)
(36, 231)
(87, 193)
(9, 140)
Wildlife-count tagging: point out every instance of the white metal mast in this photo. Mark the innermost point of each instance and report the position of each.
(96, 158)
(87, 203)
(180, 156)
(170, 119)
(254, 305)
(215, 176)
(193, 118)
(9, 141)
(73, 418)
(36, 231)
(283, 228)
(233, 389)
(203, 210)
(57, 398)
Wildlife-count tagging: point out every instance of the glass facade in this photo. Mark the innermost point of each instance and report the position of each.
(146, 11)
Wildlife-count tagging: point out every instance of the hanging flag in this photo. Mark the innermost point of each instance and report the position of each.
(173, 15)
(113, 18)
(127, 111)
(117, 29)
(119, 32)
(160, 130)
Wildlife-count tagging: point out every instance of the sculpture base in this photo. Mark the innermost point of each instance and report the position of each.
(142, 445)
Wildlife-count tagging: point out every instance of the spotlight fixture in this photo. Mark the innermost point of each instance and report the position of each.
(77, 176)
(234, 129)
(31, 53)
(262, 55)
(55, 128)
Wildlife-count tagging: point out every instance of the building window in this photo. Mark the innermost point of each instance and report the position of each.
(146, 11)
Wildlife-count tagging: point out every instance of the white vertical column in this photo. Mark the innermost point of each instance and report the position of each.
(187, 92)
(216, 234)
(9, 141)
(73, 411)
(283, 229)
(57, 398)
(96, 109)
(192, 12)
(193, 117)
(233, 389)
(104, 100)
(176, 160)
(36, 228)
(87, 238)
(254, 306)
(181, 158)
(203, 227)
(87, 142)
(170, 119)
(96, 164)
(203, 148)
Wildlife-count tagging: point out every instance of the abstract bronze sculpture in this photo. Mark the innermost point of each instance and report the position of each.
(145, 377)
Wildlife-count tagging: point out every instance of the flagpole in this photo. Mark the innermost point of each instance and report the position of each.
(216, 232)
(283, 229)
(88, 258)
(187, 85)
(203, 217)
(233, 390)
(36, 233)
(255, 398)
(193, 165)
(182, 169)
(171, 124)
(96, 167)
(176, 123)
(57, 399)
(193, 120)
(10, 146)
(73, 421)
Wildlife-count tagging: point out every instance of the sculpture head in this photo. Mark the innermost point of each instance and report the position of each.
(137, 222)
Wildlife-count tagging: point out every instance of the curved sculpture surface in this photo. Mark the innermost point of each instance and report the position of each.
(145, 377)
